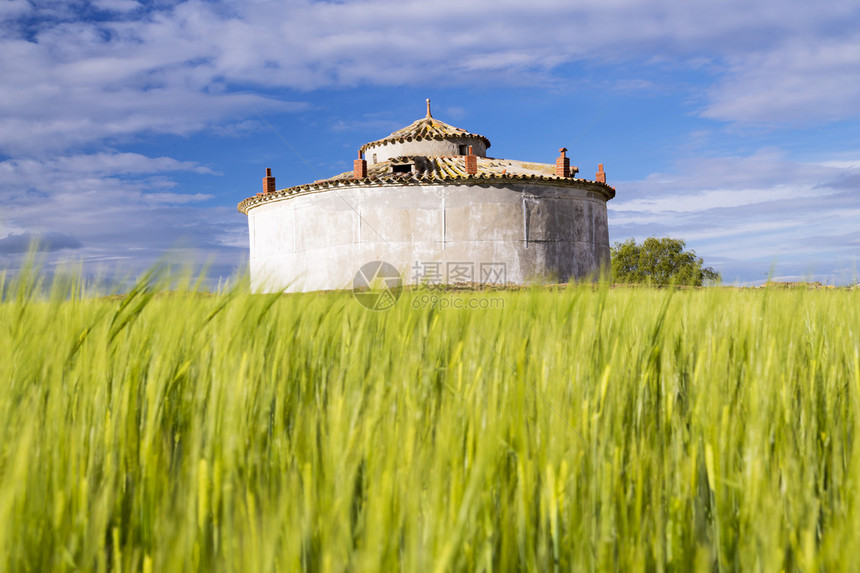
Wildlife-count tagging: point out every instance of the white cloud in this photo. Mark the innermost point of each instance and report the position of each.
(700, 200)
(13, 8)
(179, 68)
(804, 81)
(54, 171)
(116, 5)
(842, 164)
(743, 213)
(112, 206)
(51, 241)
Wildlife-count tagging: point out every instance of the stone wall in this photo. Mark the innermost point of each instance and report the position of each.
(318, 240)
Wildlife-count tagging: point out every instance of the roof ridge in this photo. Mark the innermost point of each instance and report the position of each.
(427, 127)
(426, 179)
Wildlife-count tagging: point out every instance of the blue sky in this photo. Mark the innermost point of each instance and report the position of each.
(129, 130)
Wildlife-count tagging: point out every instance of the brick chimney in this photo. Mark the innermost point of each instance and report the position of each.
(359, 167)
(600, 176)
(471, 163)
(268, 182)
(562, 164)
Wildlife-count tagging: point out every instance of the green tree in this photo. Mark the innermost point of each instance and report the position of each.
(659, 262)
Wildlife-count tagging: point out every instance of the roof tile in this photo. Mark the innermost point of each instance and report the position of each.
(436, 170)
(425, 128)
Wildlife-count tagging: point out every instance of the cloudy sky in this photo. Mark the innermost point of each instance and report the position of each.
(129, 130)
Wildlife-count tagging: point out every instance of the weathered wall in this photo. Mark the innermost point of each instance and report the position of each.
(426, 147)
(319, 240)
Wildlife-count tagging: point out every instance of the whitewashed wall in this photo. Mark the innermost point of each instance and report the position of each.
(318, 240)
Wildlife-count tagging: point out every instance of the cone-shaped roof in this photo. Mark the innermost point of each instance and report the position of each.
(426, 128)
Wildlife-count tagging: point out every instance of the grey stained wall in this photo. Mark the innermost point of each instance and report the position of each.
(318, 240)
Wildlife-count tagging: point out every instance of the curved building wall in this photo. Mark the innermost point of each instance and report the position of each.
(377, 153)
(319, 240)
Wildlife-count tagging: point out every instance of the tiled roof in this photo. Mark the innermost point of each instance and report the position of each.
(426, 128)
(453, 167)
(435, 170)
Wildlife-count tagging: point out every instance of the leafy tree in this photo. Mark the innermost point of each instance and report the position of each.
(659, 262)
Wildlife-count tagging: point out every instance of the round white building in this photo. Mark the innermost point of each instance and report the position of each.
(428, 200)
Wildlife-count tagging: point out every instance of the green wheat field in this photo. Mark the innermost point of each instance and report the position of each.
(576, 428)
